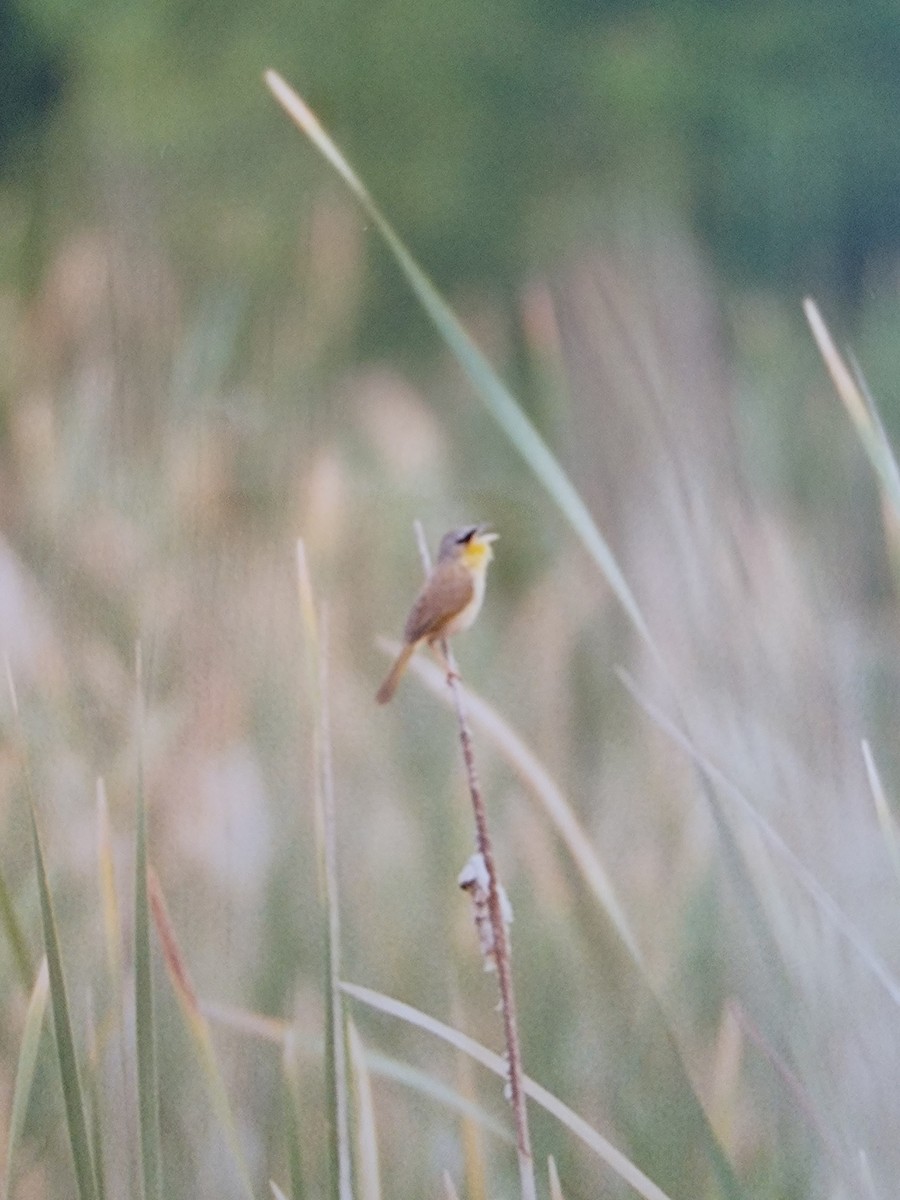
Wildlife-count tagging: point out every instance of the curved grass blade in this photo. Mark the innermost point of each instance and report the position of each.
(316, 631)
(145, 1023)
(450, 1192)
(821, 899)
(112, 920)
(367, 1170)
(115, 1022)
(882, 808)
(292, 1120)
(386, 1067)
(860, 405)
(14, 934)
(537, 780)
(279, 1032)
(614, 1158)
(197, 1025)
(553, 1175)
(73, 1093)
(499, 401)
(504, 409)
(335, 1029)
(95, 1110)
(28, 1051)
(501, 951)
(474, 1159)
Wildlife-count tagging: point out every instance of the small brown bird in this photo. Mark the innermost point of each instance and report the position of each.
(449, 601)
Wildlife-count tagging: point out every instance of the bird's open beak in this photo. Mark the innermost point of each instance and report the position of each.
(486, 534)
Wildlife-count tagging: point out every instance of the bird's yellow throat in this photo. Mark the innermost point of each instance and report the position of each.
(477, 553)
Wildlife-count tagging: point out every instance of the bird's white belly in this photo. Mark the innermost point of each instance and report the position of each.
(466, 616)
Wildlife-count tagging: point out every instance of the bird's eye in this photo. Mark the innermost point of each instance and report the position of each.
(466, 535)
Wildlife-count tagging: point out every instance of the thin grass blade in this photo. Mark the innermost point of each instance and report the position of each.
(114, 1022)
(66, 1055)
(822, 900)
(556, 1192)
(613, 1157)
(256, 1025)
(197, 1025)
(367, 1169)
(95, 1110)
(538, 781)
(335, 1033)
(73, 1093)
(450, 1192)
(292, 1122)
(384, 1066)
(316, 630)
(470, 1132)
(860, 405)
(112, 919)
(882, 809)
(306, 597)
(28, 1052)
(498, 400)
(145, 1021)
(18, 943)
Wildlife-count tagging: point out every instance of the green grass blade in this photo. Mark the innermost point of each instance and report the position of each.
(368, 1171)
(28, 1052)
(556, 1192)
(821, 899)
(450, 1192)
(386, 1067)
(860, 405)
(198, 1027)
(218, 1094)
(14, 934)
(73, 1093)
(883, 811)
(316, 631)
(112, 921)
(536, 780)
(611, 1155)
(145, 1025)
(96, 1123)
(278, 1032)
(499, 401)
(292, 1121)
(508, 414)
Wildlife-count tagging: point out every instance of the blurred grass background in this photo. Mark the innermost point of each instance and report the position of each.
(206, 354)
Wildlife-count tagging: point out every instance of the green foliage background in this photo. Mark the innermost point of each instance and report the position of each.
(492, 133)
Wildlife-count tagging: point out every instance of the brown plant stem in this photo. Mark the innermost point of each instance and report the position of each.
(501, 946)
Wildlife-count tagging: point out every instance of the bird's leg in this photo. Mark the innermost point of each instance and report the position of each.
(438, 650)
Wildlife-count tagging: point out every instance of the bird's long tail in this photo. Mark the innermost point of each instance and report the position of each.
(387, 689)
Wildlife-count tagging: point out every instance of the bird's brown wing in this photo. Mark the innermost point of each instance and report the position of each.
(446, 593)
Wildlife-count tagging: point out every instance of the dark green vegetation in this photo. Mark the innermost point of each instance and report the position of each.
(494, 133)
